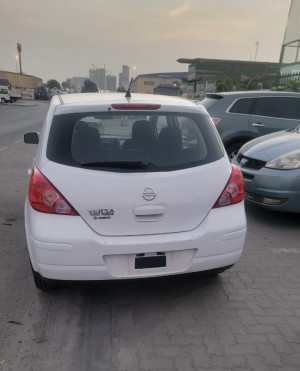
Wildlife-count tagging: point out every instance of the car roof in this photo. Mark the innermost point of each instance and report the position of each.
(108, 98)
(86, 102)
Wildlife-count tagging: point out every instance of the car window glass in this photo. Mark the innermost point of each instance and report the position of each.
(191, 135)
(168, 141)
(161, 123)
(242, 106)
(209, 102)
(282, 107)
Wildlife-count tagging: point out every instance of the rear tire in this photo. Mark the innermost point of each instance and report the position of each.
(2, 101)
(43, 283)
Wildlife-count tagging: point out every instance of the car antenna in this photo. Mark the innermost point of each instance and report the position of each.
(128, 95)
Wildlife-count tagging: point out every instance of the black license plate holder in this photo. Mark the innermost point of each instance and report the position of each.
(146, 262)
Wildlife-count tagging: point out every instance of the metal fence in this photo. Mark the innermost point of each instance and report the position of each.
(198, 89)
(275, 81)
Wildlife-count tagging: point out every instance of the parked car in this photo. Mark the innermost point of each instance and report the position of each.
(13, 92)
(42, 93)
(168, 89)
(242, 116)
(271, 169)
(4, 95)
(120, 189)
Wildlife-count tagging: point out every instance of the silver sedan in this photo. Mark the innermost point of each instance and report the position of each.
(271, 168)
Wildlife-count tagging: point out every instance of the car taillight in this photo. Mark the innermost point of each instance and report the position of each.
(234, 191)
(44, 197)
(215, 120)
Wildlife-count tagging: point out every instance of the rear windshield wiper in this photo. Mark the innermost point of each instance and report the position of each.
(117, 164)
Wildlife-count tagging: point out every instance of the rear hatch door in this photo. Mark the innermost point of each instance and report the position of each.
(128, 203)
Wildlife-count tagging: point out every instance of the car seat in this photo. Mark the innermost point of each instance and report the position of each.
(170, 139)
(142, 136)
(86, 142)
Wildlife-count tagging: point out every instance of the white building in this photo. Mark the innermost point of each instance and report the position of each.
(290, 51)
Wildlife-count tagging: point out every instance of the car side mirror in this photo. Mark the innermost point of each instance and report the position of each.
(31, 138)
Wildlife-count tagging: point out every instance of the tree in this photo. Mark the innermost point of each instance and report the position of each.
(53, 84)
(225, 85)
(68, 84)
(229, 84)
(89, 87)
(291, 85)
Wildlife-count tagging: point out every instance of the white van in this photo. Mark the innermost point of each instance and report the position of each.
(4, 95)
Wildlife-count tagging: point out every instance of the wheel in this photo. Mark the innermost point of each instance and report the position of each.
(2, 101)
(233, 150)
(43, 283)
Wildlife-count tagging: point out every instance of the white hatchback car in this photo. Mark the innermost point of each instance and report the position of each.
(130, 187)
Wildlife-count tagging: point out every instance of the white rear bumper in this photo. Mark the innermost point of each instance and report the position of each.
(66, 248)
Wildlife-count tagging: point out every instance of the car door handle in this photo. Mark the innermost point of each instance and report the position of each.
(258, 124)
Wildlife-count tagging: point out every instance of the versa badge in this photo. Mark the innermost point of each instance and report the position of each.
(102, 213)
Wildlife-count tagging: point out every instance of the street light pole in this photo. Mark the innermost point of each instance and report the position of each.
(257, 43)
(105, 83)
(19, 48)
(17, 58)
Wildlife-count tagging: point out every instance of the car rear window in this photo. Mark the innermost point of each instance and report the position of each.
(210, 100)
(133, 141)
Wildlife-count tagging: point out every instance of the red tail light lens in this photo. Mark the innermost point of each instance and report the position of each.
(216, 120)
(234, 191)
(44, 197)
(137, 106)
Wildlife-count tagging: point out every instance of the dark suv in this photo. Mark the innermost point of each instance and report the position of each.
(241, 116)
(42, 93)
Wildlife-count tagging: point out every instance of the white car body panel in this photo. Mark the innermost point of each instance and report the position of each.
(183, 200)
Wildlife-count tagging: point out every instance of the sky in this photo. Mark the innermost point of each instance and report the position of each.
(65, 38)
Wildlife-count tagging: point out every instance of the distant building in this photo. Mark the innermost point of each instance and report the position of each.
(204, 74)
(98, 76)
(78, 83)
(111, 83)
(290, 52)
(27, 84)
(148, 82)
(22, 80)
(124, 77)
